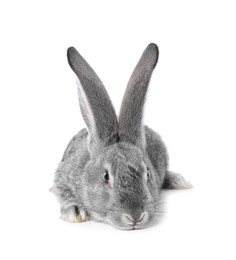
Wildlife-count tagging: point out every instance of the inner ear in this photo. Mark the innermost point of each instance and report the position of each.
(93, 140)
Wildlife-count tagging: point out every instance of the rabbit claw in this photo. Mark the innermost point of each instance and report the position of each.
(82, 217)
(73, 215)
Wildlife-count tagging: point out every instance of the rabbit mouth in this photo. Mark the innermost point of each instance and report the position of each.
(126, 222)
(128, 227)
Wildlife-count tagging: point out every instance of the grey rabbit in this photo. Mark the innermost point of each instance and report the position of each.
(114, 170)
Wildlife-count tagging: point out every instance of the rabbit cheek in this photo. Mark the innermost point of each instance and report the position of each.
(98, 199)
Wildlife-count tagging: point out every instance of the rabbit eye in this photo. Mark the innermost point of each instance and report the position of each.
(148, 174)
(106, 176)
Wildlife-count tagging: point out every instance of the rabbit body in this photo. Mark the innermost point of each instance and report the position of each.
(114, 170)
(71, 183)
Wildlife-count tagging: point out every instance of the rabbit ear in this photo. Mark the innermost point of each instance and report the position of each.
(131, 129)
(95, 104)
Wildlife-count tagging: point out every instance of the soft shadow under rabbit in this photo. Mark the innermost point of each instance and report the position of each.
(114, 171)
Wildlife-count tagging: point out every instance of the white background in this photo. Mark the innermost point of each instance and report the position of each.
(191, 103)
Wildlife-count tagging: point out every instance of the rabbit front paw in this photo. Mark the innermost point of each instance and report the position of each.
(73, 215)
(82, 216)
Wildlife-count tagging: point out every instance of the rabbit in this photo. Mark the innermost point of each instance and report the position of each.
(113, 171)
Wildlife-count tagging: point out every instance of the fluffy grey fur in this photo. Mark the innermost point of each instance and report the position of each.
(114, 170)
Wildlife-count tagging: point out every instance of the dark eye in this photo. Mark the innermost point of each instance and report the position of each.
(106, 176)
(148, 174)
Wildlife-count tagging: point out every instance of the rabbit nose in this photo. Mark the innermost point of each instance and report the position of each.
(135, 220)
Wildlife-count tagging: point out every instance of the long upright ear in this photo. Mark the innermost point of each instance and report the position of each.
(130, 125)
(95, 104)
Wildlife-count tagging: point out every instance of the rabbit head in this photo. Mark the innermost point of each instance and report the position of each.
(121, 186)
